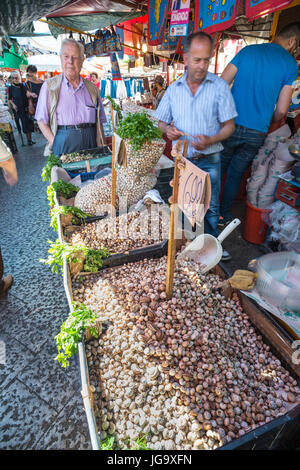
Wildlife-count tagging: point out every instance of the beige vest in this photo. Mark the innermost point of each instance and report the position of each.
(54, 85)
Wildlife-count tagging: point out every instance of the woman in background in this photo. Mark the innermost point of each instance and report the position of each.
(33, 84)
(19, 103)
(94, 79)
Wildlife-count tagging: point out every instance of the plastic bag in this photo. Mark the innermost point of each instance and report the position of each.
(285, 222)
(266, 193)
(99, 44)
(89, 48)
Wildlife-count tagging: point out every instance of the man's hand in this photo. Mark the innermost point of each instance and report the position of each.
(46, 131)
(202, 142)
(173, 133)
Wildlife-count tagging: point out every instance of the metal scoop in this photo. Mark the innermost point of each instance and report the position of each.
(206, 249)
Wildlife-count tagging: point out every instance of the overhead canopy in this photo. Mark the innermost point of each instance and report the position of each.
(17, 16)
(12, 60)
(88, 15)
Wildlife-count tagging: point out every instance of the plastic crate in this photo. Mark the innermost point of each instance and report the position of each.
(83, 175)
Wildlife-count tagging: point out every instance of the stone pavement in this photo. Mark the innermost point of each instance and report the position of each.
(40, 402)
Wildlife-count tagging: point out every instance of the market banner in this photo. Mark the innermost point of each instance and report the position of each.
(120, 33)
(256, 8)
(180, 13)
(157, 14)
(182, 41)
(215, 15)
(115, 69)
(170, 43)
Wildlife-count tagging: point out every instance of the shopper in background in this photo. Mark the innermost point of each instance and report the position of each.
(200, 104)
(19, 104)
(154, 91)
(94, 79)
(7, 163)
(263, 76)
(70, 112)
(33, 84)
(159, 83)
(3, 94)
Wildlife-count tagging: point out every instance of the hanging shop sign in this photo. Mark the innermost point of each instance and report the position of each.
(170, 43)
(256, 8)
(215, 15)
(157, 18)
(180, 13)
(182, 41)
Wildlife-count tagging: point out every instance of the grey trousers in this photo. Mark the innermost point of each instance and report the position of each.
(73, 140)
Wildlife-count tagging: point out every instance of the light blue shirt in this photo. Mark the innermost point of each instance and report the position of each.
(197, 114)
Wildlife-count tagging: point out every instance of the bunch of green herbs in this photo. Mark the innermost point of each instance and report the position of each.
(71, 331)
(138, 128)
(78, 215)
(51, 162)
(61, 188)
(92, 262)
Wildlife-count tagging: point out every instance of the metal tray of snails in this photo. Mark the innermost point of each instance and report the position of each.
(198, 371)
(125, 245)
(95, 156)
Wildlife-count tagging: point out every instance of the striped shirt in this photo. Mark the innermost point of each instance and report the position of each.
(199, 114)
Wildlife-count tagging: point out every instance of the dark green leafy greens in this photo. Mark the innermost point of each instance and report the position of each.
(61, 188)
(138, 128)
(51, 162)
(71, 332)
(78, 215)
(93, 258)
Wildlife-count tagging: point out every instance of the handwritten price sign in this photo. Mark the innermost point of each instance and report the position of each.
(194, 192)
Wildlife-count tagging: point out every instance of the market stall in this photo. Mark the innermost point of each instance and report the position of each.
(197, 366)
(163, 350)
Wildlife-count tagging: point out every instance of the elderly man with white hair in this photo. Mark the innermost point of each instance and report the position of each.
(69, 111)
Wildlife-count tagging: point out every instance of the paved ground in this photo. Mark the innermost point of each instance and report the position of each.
(40, 403)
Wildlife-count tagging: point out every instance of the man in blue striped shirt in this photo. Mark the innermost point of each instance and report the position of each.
(200, 104)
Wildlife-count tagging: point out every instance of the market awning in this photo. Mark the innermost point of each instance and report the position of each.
(17, 16)
(88, 15)
(12, 60)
